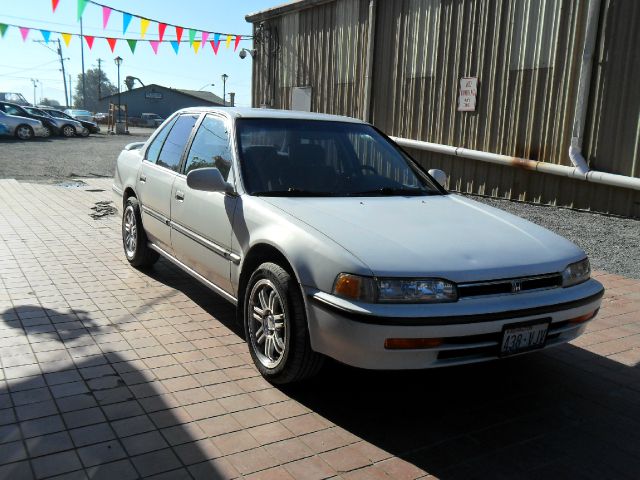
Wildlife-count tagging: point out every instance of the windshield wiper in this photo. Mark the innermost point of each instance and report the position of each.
(403, 191)
(293, 192)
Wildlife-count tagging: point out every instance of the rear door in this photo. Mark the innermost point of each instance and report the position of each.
(201, 221)
(157, 174)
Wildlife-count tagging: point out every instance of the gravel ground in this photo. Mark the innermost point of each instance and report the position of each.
(56, 159)
(612, 243)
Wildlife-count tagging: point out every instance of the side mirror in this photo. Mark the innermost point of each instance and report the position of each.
(438, 175)
(208, 180)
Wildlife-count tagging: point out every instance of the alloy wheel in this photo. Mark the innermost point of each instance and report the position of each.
(268, 326)
(130, 232)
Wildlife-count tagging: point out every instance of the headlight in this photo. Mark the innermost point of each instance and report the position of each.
(419, 290)
(394, 290)
(576, 273)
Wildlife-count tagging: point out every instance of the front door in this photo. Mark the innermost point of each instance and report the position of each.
(201, 221)
(157, 174)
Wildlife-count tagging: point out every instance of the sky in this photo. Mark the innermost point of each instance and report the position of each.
(21, 61)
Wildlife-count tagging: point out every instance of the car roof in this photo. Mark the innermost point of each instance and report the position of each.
(240, 112)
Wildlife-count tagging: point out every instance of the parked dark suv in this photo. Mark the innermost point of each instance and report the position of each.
(17, 110)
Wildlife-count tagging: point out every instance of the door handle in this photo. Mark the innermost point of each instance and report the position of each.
(179, 195)
(143, 178)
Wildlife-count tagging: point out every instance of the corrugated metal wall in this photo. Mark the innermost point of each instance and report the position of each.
(526, 56)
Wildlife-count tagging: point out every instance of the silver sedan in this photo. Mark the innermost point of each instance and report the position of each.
(332, 241)
(22, 127)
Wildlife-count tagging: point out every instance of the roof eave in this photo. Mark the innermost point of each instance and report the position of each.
(283, 9)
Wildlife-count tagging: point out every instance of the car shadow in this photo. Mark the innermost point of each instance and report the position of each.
(560, 413)
(84, 406)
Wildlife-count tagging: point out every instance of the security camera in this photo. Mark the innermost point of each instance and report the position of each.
(244, 51)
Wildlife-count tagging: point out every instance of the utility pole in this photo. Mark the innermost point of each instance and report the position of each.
(70, 91)
(99, 78)
(35, 84)
(62, 59)
(64, 76)
(84, 90)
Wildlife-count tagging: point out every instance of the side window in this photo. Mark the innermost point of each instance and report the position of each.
(210, 147)
(154, 149)
(12, 110)
(174, 144)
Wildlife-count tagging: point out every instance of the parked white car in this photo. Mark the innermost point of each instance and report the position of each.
(333, 242)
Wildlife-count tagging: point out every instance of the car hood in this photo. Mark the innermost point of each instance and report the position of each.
(444, 236)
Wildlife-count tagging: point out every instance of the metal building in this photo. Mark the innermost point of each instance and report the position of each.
(161, 100)
(495, 91)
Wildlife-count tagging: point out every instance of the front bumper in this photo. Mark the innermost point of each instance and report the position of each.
(40, 131)
(471, 328)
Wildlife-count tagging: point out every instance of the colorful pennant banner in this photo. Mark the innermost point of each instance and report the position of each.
(203, 36)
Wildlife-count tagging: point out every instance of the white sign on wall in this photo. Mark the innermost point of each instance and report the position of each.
(301, 99)
(468, 94)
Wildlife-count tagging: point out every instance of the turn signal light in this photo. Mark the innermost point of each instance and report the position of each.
(411, 343)
(583, 318)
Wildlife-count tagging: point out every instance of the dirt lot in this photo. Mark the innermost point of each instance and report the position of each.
(52, 160)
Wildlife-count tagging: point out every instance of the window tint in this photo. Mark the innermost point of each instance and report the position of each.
(13, 110)
(156, 145)
(174, 144)
(210, 147)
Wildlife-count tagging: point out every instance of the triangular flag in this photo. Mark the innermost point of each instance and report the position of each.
(67, 38)
(179, 31)
(192, 36)
(82, 4)
(205, 35)
(228, 40)
(215, 44)
(175, 45)
(46, 34)
(238, 38)
(196, 45)
(126, 20)
(89, 40)
(161, 28)
(112, 43)
(144, 24)
(106, 13)
(3, 29)
(132, 44)
(154, 45)
(54, 5)
(24, 31)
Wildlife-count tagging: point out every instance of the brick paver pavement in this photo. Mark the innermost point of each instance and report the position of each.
(108, 372)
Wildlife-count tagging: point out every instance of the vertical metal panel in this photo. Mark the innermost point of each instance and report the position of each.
(614, 121)
(526, 54)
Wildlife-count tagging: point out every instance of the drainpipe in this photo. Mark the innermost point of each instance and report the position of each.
(586, 64)
(368, 83)
(593, 176)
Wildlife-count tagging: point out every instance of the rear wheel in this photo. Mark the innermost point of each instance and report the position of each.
(47, 131)
(276, 326)
(134, 239)
(69, 131)
(24, 132)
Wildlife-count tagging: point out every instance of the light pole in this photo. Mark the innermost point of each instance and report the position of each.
(224, 89)
(118, 61)
(35, 84)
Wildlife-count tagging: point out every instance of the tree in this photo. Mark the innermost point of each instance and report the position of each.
(93, 79)
(49, 102)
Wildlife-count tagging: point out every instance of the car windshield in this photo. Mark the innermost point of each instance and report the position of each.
(35, 111)
(57, 114)
(292, 157)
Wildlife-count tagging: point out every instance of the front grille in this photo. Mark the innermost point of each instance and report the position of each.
(511, 285)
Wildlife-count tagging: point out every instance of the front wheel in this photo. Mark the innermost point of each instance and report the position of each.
(134, 239)
(24, 132)
(68, 131)
(276, 326)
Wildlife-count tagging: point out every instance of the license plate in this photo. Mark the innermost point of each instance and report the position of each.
(522, 337)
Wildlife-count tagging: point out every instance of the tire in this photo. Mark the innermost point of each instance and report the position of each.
(134, 239)
(24, 132)
(86, 133)
(48, 131)
(69, 131)
(273, 300)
